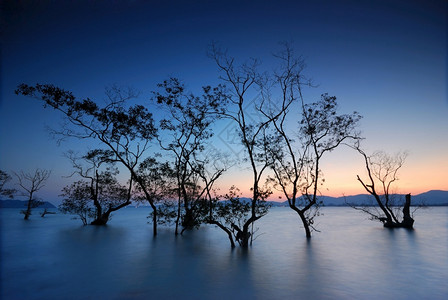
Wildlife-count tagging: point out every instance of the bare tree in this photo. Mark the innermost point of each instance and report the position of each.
(290, 158)
(295, 154)
(29, 184)
(382, 173)
(242, 80)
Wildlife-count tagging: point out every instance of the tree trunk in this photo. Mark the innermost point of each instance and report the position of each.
(154, 222)
(244, 238)
(176, 232)
(27, 213)
(306, 226)
(46, 212)
(188, 221)
(102, 219)
(302, 216)
(408, 221)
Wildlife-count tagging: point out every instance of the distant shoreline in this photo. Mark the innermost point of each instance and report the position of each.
(430, 198)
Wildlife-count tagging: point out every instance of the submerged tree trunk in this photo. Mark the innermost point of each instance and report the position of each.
(301, 212)
(306, 226)
(408, 221)
(102, 219)
(242, 236)
(46, 212)
(30, 205)
(189, 221)
(27, 212)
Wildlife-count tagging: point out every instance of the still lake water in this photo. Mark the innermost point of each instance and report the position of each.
(352, 258)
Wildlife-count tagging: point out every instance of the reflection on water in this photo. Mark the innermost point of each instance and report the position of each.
(352, 258)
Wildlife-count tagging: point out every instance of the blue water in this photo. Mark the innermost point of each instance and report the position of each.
(351, 258)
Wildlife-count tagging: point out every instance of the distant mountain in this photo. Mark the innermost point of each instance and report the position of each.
(429, 198)
(432, 198)
(22, 204)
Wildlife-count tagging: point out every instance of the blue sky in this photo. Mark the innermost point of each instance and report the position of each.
(384, 59)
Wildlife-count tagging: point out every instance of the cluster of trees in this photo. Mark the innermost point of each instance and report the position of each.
(283, 148)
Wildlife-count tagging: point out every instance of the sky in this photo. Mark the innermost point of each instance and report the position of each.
(385, 59)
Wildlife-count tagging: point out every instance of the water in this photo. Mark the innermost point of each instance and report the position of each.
(352, 258)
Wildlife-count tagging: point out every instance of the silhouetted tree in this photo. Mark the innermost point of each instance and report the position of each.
(98, 194)
(231, 213)
(295, 155)
(4, 179)
(197, 188)
(29, 184)
(160, 183)
(186, 129)
(78, 200)
(241, 81)
(382, 170)
(125, 130)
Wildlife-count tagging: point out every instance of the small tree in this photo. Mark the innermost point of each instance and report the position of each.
(382, 170)
(78, 200)
(30, 184)
(296, 165)
(160, 183)
(231, 213)
(295, 154)
(4, 179)
(198, 189)
(242, 80)
(99, 193)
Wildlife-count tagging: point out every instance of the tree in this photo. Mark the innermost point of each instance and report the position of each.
(77, 200)
(4, 179)
(160, 183)
(198, 190)
(125, 130)
(242, 80)
(382, 170)
(30, 184)
(295, 155)
(99, 193)
(230, 214)
(185, 130)
(296, 166)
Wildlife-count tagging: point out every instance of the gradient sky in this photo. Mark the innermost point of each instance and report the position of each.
(384, 59)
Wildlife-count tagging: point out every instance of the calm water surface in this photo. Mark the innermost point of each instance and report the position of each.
(351, 258)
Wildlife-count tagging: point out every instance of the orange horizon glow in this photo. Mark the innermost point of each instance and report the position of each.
(415, 178)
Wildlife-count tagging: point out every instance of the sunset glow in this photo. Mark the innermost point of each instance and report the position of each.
(148, 149)
(386, 62)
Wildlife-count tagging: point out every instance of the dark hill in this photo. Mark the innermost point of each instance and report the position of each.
(434, 197)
